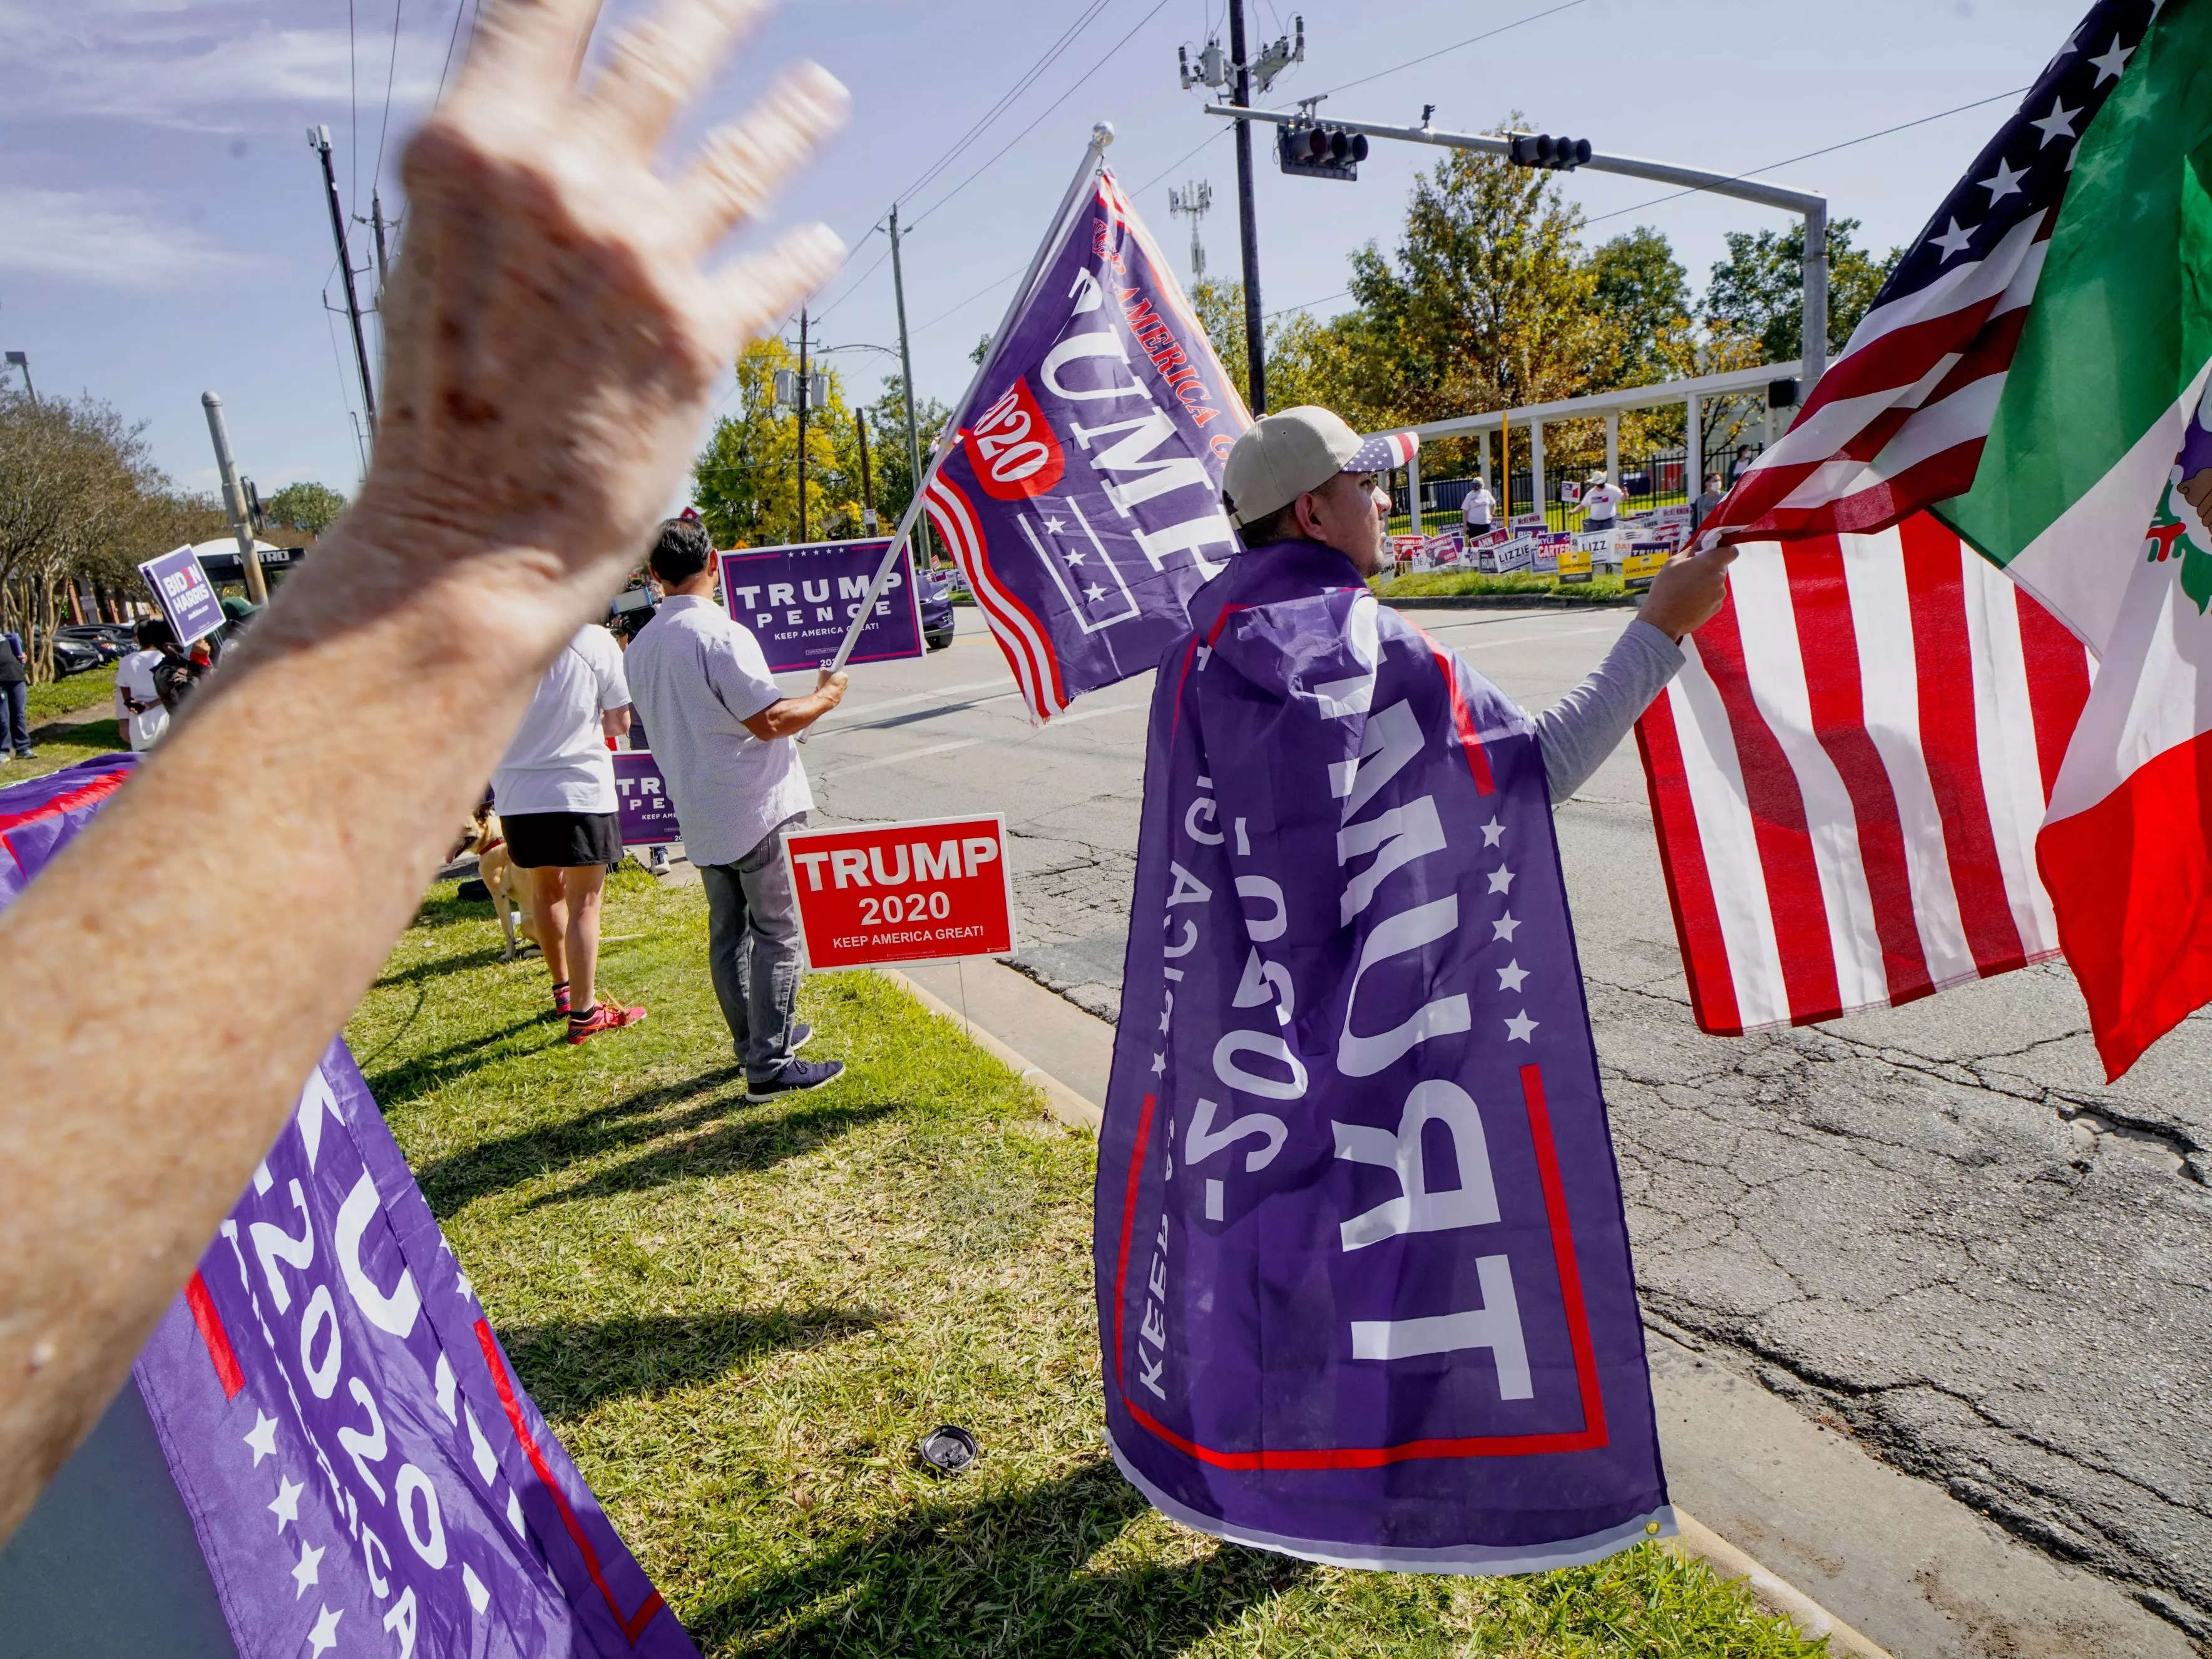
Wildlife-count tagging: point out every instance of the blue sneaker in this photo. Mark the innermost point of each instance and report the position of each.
(801, 1035)
(796, 1076)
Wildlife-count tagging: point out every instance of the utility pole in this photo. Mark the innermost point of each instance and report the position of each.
(383, 264)
(802, 423)
(1535, 149)
(906, 377)
(1248, 228)
(868, 483)
(318, 140)
(234, 499)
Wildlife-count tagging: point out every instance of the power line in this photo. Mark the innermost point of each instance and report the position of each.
(1022, 84)
(450, 41)
(390, 67)
(1110, 53)
(1473, 39)
(353, 106)
(1219, 133)
(1776, 167)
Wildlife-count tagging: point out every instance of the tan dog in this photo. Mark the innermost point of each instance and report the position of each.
(509, 886)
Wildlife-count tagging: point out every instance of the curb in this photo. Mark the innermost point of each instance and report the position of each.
(1069, 1107)
(1772, 1592)
(1776, 1595)
(1506, 601)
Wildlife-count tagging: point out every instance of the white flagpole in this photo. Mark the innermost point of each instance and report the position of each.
(1101, 135)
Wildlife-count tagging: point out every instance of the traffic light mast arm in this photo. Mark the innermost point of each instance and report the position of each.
(1813, 209)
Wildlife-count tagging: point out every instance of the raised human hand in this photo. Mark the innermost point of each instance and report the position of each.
(555, 327)
(1687, 591)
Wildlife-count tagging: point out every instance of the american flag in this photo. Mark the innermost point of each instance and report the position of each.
(1899, 420)
(1848, 775)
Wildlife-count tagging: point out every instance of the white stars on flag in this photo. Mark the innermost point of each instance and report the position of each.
(462, 1287)
(1953, 241)
(2004, 182)
(1073, 559)
(1493, 832)
(309, 1572)
(1159, 1065)
(1510, 975)
(2114, 63)
(1503, 927)
(1054, 526)
(263, 1437)
(1501, 880)
(2059, 124)
(324, 1636)
(286, 1509)
(1094, 593)
(1518, 1028)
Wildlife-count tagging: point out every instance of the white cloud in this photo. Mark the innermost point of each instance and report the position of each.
(110, 240)
(182, 67)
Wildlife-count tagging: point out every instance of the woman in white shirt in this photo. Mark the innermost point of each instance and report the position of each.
(138, 709)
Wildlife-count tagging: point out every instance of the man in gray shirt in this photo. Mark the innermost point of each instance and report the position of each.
(1304, 475)
(722, 733)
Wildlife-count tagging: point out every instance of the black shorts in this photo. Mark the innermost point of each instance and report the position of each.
(564, 841)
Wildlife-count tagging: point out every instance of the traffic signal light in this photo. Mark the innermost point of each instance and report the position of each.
(1540, 150)
(1321, 152)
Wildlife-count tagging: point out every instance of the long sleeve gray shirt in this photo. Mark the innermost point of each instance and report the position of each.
(1580, 730)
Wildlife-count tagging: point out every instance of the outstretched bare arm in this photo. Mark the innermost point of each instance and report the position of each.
(555, 332)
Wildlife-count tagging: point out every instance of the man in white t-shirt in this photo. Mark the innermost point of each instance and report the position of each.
(722, 734)
(1601, 502)
(555, 789)
(1479, 509)
(138, 706)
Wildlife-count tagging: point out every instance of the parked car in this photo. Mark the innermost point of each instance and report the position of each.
(935, 590)
(102, 637)
(74, 657)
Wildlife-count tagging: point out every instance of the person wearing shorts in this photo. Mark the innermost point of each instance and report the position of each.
(555, 789)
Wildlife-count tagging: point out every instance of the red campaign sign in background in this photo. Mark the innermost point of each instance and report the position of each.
(903, 892)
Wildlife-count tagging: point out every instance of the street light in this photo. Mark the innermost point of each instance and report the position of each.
(21, 360)
(1530, 149)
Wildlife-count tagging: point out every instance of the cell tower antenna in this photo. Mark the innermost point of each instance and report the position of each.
(1195, 200)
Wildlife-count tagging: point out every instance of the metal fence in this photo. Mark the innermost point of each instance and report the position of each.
(1656, 479)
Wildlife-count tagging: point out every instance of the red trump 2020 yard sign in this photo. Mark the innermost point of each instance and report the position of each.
(902, 892)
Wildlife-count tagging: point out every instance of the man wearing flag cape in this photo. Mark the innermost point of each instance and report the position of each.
(1364, 1283)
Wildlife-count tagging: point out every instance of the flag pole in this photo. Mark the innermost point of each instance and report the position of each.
(1101, 135)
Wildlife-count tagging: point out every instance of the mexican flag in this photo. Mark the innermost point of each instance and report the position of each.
(2094, 493)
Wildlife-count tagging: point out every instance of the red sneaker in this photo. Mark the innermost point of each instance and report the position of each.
(602, 1017)
(561, 998)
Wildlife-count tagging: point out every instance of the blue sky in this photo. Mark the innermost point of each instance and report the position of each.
(163, 229)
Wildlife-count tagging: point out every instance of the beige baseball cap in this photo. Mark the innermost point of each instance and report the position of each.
(1282, 456)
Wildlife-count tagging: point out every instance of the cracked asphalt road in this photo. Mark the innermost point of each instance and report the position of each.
(1934, 1226)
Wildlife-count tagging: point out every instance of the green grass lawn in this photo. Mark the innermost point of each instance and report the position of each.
(742, 1318)
(63, 743)
(1429, 584)
(93, 688)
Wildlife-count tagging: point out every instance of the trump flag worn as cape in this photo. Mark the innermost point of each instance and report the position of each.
(363, 1471)
(1364, 1283)
(1083, 497)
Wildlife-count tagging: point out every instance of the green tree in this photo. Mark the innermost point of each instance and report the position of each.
(745, 481)
(310, 507)
(1759, 290)
(1643, 288)
(1309, 361)
(887, 448)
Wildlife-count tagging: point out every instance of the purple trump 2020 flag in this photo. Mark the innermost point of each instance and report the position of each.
(362, 1470)
(1364, 1283)
(1083, 496)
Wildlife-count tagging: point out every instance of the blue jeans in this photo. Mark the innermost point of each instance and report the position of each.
(16, 717)
(753, 949)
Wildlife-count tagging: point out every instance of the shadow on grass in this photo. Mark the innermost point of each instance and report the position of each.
(104, 735)
(573, 1366)
(493, 1165)
(425, 1073)
(489, 957)
(752, 1144)
(1002, 1577)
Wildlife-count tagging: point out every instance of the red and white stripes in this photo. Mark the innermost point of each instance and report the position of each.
(1025, 640)
(1848, 777)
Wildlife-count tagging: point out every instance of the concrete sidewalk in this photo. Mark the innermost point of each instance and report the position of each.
(1922, 1575)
